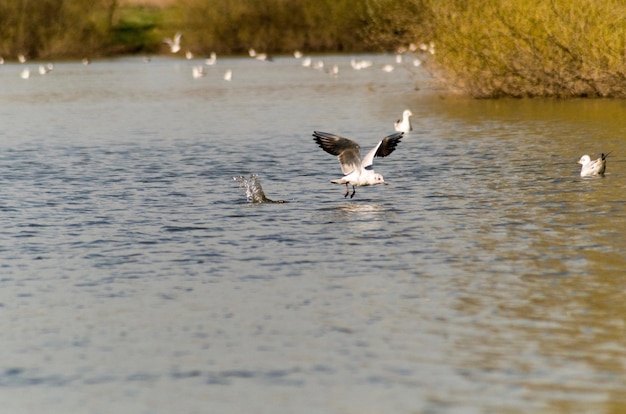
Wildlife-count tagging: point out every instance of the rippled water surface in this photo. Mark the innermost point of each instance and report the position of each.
(136, 278)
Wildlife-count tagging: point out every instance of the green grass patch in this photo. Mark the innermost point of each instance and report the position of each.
(135, 29)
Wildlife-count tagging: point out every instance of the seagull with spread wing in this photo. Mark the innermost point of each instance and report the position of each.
(356, 171)
(174, 43)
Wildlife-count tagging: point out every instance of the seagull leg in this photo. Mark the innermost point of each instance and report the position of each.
(347, 191)
(353, 191)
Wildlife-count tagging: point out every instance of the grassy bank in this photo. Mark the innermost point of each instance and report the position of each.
(47, 28)
(77, 28)
(276, 26)
(485, 48)
(521, 48)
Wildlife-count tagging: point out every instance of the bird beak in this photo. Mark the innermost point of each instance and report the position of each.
(385, 182)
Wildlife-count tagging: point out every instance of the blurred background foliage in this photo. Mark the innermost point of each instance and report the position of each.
(485, 48)
(42, 28)
(77, 28)
(527, 48)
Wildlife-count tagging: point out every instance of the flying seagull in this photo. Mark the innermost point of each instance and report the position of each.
(174, 43)
(595, 167)
(356, 171)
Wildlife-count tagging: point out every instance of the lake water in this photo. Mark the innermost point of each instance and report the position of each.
(136, 278)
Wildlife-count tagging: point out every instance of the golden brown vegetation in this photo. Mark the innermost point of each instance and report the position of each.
(45, 28)
(521, 48)
(75, 28)
(277, 26)
(486, 48)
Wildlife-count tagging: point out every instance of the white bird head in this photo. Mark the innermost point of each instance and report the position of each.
(378, 179)
(585, 159)
(407, 113)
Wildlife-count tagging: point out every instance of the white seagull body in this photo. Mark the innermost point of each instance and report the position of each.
(212, 59)
(591, 168)
(404, 124)
(174, 44)
(360, 64)
(357, 171)
(197, 72)
(43, 70)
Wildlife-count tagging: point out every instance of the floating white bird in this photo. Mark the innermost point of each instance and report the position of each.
(174, 44)
(356, 171)
(197, 72)
(360, 64)
(43, 70)
(86, 61)
(25, 73)
(306, 62)
(212, 60)
(388, 68)
(228, 75)
(595, 167)
(1, 60)
(404, 124)
(22, 58)
(259, 56)
(188, 55)
(297, 54)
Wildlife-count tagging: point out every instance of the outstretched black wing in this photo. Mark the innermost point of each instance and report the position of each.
(348, 151)
(385, 147)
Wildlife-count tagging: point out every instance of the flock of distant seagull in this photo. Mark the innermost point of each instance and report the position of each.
(356, 171)
(199, 71)
(25, 73)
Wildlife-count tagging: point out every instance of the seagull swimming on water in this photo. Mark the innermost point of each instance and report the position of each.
(404, 124)
(595, 167)
(211, 60)
(356, 171)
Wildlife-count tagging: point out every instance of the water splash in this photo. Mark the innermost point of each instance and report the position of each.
(254, 191)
